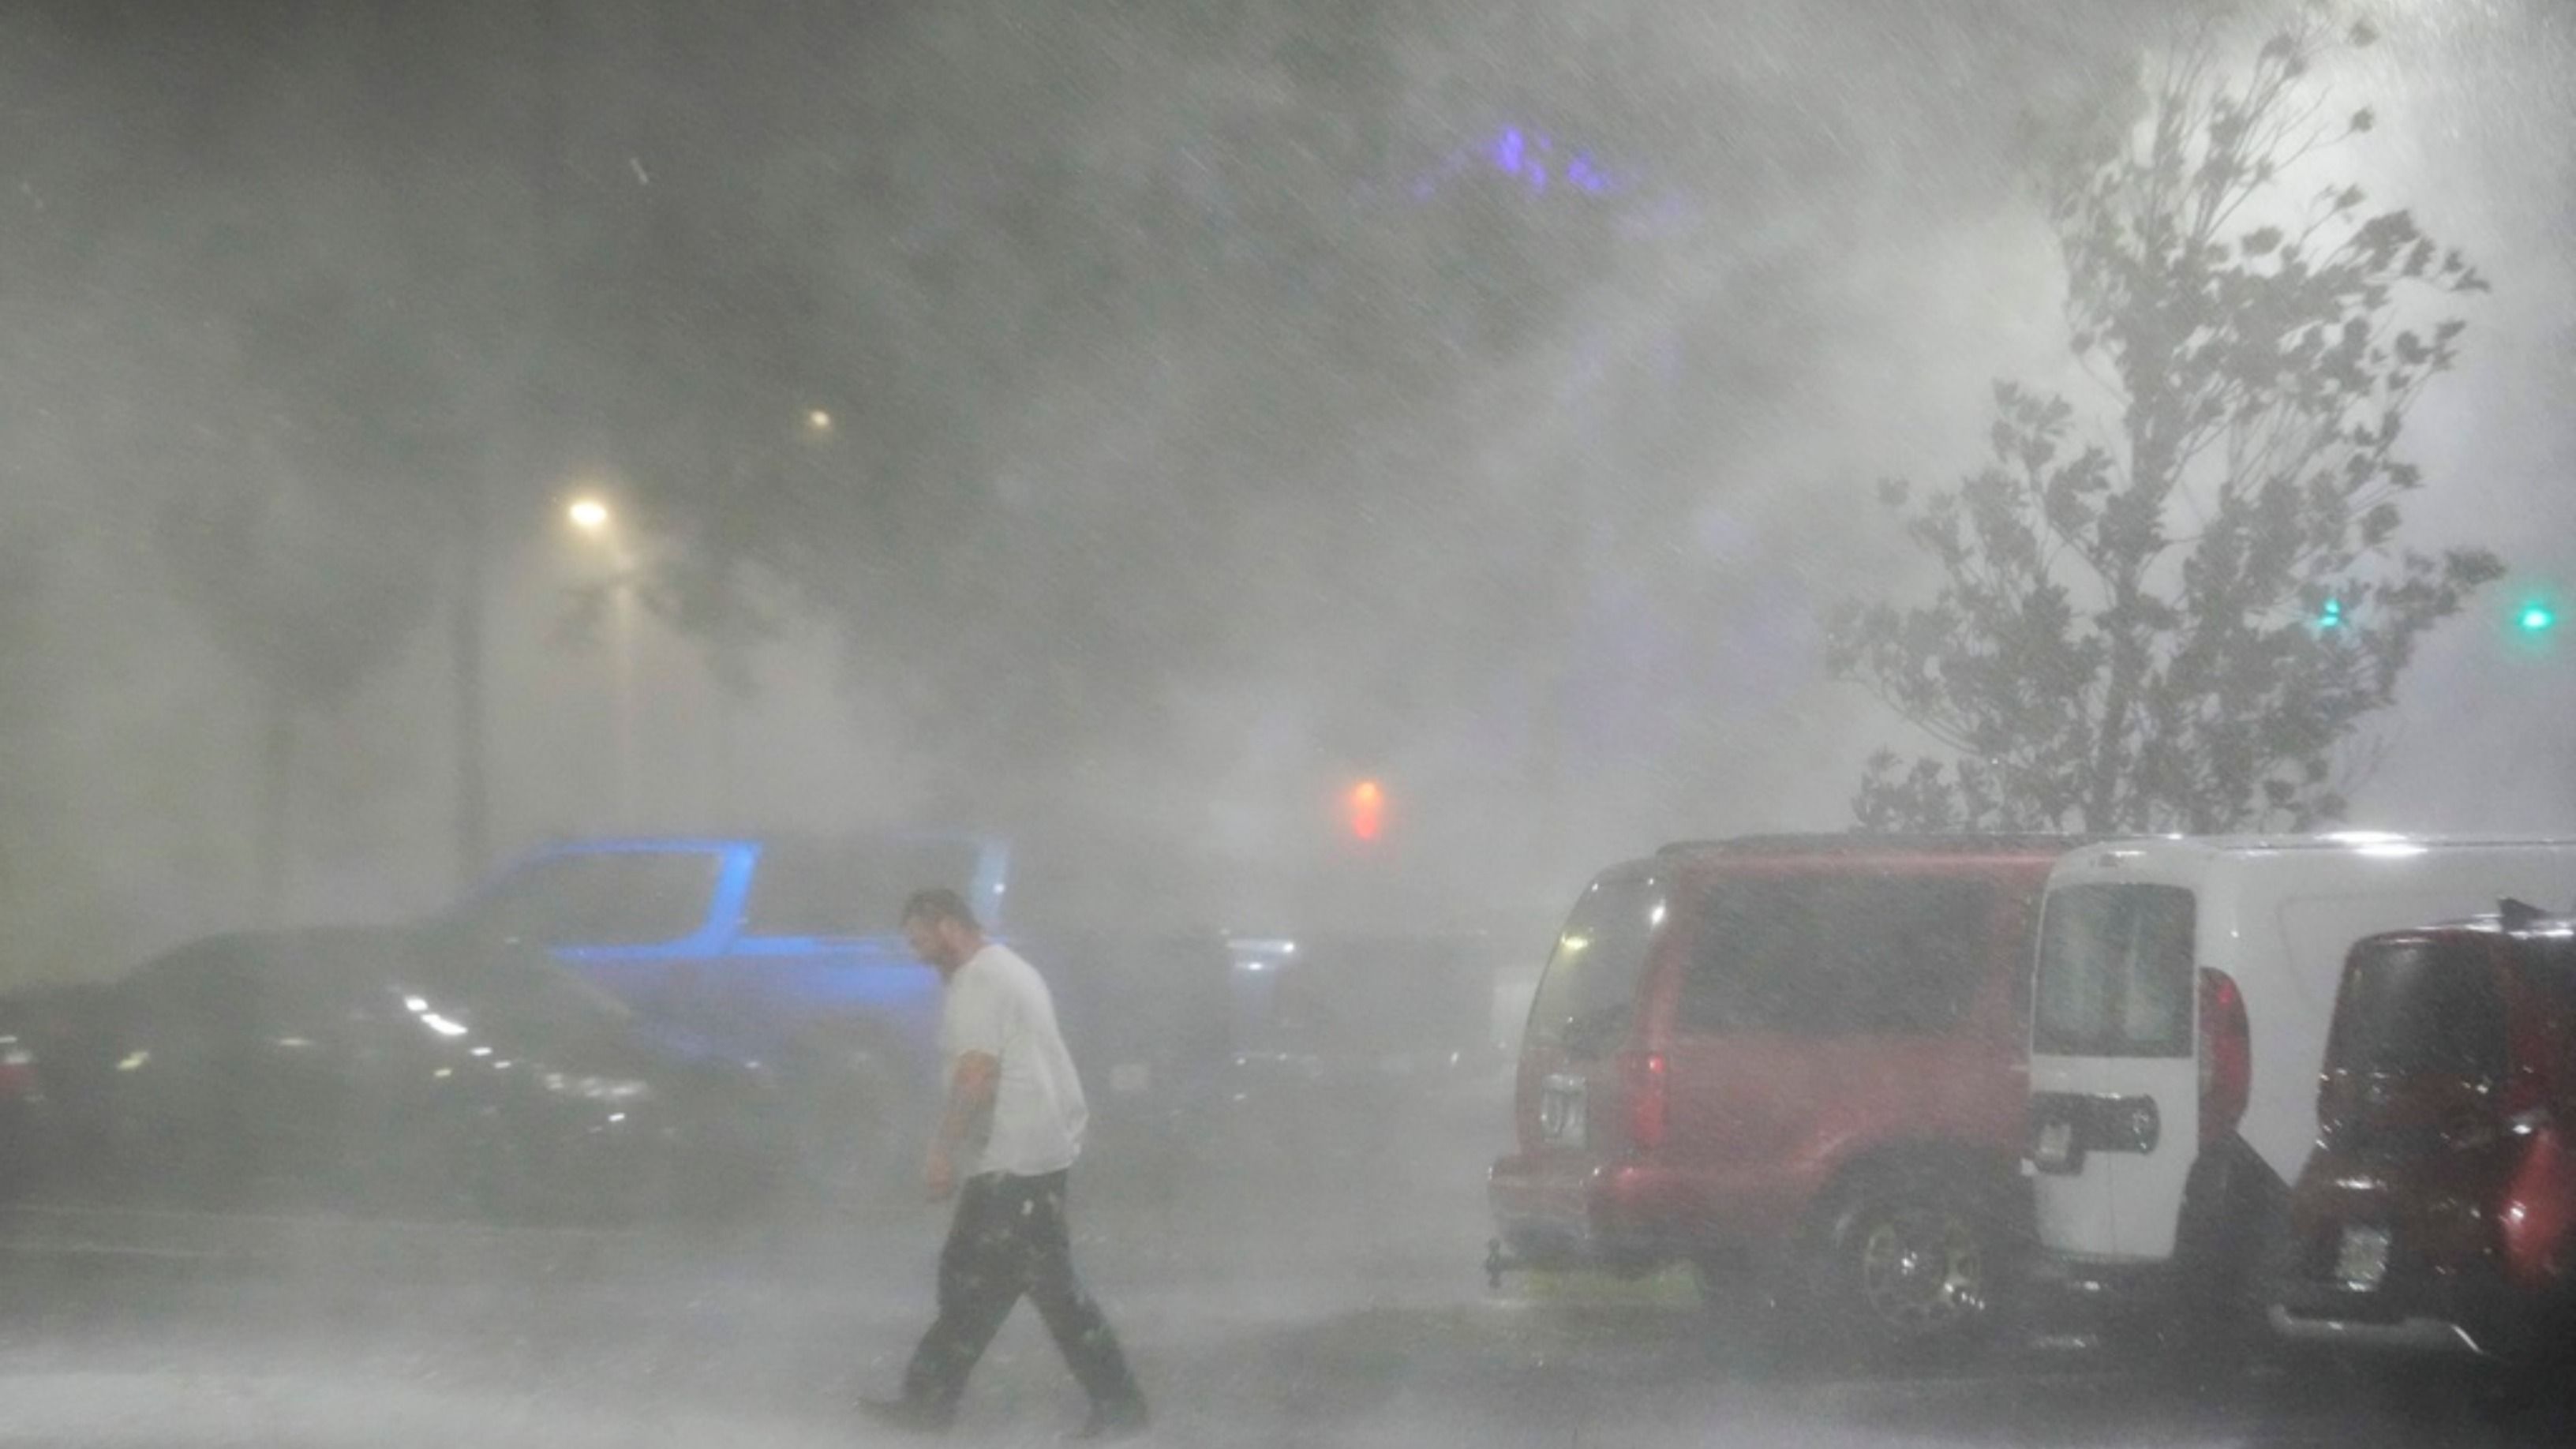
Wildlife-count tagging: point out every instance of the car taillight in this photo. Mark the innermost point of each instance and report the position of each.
(2226, 1056)
(17, 1072)
(1646, 1081)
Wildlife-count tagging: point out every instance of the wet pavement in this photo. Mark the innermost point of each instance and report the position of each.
(1288, 1313)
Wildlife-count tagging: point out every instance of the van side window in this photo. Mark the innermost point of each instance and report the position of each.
(1837, 954)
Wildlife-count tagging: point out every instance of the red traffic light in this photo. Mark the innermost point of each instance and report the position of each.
(1365, 809)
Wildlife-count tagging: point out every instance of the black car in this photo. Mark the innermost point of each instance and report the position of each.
(425, 1072)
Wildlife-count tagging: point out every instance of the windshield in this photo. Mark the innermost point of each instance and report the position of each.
(2115, 972)
(2419, 1007)
(1588, 995)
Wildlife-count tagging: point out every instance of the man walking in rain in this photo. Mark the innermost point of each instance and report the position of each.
(1004, 1148)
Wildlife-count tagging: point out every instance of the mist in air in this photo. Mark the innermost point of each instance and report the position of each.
(1216, 412)
(1325, 473)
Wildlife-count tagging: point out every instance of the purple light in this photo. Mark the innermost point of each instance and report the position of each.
(1529, 157)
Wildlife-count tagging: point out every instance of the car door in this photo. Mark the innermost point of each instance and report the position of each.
(1822, 1007)
(2115, 1075)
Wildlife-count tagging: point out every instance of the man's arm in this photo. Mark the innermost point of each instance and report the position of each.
(970, 1101)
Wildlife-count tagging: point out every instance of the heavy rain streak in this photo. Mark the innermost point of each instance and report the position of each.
(1651, 722)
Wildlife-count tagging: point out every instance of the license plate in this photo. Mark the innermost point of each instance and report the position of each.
(1561, 1111)
(2055, 1147)
(2361, 1260)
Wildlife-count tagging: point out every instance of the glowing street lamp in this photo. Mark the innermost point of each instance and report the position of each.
(590, 514)
(818, 422)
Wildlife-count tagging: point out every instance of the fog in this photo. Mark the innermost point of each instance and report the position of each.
(1119, 428)
(1289, 495)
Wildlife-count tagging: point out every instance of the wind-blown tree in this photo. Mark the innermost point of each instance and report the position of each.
(2178, 621)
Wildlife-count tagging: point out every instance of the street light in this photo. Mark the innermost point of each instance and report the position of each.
(591, 515)
(818, 422)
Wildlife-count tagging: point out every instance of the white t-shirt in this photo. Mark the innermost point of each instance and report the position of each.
(997, 1004)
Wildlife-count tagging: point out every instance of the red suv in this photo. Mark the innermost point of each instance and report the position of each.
(2439, 1208)
(1801, 1054)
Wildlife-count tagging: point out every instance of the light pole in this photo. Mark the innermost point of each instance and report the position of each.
(591, 514)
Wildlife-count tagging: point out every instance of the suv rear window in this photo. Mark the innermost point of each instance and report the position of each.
(2417, 1008)
(1837, 954)
(2115, 971)
(1589, 993)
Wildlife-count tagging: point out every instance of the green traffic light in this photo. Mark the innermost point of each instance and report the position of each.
(2536, 618)
(2332, 615)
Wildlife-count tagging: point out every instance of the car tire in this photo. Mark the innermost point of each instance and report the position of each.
(1906, 1263)
(2231, 1246)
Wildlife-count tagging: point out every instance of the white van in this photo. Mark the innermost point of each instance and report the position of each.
(2183, 991)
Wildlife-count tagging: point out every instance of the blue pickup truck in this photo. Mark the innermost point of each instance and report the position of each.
(785, 952)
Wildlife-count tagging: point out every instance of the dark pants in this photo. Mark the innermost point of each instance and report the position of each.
(1008, 1238)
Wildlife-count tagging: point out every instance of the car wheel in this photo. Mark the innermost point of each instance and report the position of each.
(1910, 1263)
(2231, 1245)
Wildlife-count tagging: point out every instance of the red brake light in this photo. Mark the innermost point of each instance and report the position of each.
(1365, 807)
(1648, 1091)
(2226, 1056)
(17, 1072)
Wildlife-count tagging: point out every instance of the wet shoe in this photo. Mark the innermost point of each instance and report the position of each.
(1113, 1421)
(912, 1416)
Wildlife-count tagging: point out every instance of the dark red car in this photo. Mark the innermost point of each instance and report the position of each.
(2438, 1211)
(1802, 1054)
